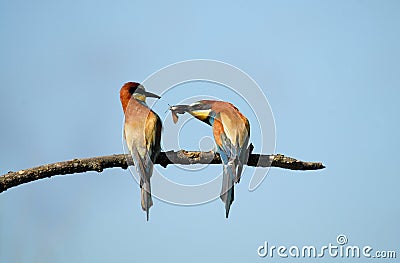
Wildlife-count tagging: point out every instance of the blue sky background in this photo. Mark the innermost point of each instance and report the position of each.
(330, 70)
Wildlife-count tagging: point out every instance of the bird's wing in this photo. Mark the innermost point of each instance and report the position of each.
(222, 140)
(235, 138)
(145, 147)
(232, 135)
(243, 155)
(153, 135)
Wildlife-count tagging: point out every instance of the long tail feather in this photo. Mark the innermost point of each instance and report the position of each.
(145, 172)
(227, 192)
(147, 201)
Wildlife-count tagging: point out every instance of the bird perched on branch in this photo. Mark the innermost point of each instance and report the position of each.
(142, 132)
(231, 131)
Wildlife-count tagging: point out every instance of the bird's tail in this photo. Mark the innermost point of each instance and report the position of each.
(228, 181)
(147, 201)
(144, 166)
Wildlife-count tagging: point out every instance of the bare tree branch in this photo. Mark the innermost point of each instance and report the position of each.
(100, 163)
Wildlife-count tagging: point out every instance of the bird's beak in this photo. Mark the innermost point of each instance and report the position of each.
(151, 95)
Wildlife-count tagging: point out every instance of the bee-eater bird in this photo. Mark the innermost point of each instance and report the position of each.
(231, 131)
(142, 132)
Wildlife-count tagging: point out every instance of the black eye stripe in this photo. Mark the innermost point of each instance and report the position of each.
(132, 90)
(201, 107)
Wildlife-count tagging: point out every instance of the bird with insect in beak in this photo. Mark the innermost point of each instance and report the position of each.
(142, 132)
(231, 131)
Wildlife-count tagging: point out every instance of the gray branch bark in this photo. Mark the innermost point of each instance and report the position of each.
(98, 164)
